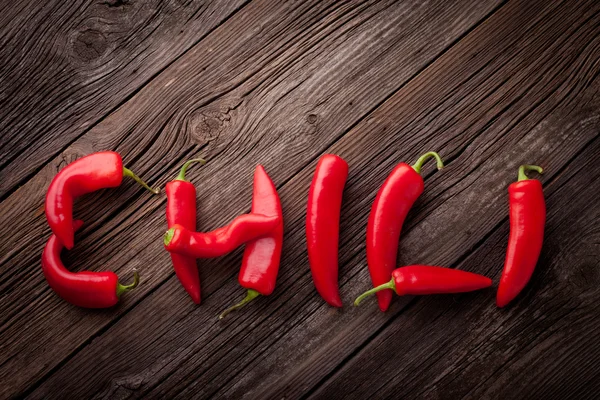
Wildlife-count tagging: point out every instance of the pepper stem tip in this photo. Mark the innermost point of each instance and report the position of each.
(169, 236)
(388, 285)
(129, 173)
(524, 168)
(251, 295)
(419, 164)
(125, 288)
(181, 176)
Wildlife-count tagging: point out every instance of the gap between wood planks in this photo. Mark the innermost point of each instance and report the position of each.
(561, 102)
(583, 161)
(549, 189)
(112, 322)
(125, 99)
(447, 162)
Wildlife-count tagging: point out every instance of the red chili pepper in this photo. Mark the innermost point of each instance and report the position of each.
(418, 280)
(395, 198)
(221, 241)
(84, 289)
(527, 219)
(88, 174)
(181, 209)
(261, 256)
(323, 225)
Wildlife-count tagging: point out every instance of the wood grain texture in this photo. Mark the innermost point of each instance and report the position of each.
(473, 201)
(489, 86)
(548, 338)
(225, 122)
(66, 65)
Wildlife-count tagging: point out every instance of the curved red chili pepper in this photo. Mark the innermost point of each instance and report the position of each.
(323, 225)
(85, 175)
(395, 198)
(181, 209)
(262, 256)
(527, 219)
(221, 241)
(419, 280)
(84, 289)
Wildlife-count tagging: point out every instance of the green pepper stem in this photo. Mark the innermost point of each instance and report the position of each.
(125, 288)
(523, 168)
(389, 285)
(251, 295)
(417, 166)
(129, 173)
(181, 176)
(169, 236)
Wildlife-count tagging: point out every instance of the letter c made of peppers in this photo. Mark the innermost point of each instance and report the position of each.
(94, 172)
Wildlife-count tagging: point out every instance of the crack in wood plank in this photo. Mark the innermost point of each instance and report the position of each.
(444, 188)
(91, 106)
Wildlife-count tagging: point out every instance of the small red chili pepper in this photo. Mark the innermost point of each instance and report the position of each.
(84, 289)
(323, 225)
(260, 264)
(221, 241)
(395, 198)
(85, 175)
(527, 214)
(418, 280)
(181, 209)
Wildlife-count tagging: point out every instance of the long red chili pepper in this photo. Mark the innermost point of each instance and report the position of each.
(527, 219)
(418, 280)
(260, 264)
(181, 209)
(85, 175)
(323, 225)
(221, 241)
(84, 289)
(395, 198)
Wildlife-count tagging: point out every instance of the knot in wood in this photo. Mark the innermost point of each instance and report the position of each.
(312, 119)
(89, 45)
(116, 3)
(207, 125)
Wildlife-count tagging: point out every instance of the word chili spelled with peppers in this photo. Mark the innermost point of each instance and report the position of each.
(261, 231)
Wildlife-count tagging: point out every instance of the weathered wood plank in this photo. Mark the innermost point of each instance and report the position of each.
(554, 121)
(273, 94)
(523, 99)
(66, 65)
(548, 338)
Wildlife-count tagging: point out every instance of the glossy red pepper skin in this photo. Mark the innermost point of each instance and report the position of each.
(262, 256)
(84, 289)
(527, 214)
(395, 198)
(85, 175)
(181, 209)
(221, 241)
(260, 264)
(417, 280)
(323, 225)
(393, 201)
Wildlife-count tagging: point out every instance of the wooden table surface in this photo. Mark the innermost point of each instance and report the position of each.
(489, 84)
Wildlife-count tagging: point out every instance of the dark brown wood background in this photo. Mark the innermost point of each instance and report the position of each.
(488, 84)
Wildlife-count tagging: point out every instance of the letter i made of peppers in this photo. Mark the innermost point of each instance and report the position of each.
(261, 231)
